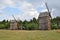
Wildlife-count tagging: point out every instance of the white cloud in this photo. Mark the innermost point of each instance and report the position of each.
(29, 11)
(2, 6)
(27, 8)
(9, 3)
(5, 3)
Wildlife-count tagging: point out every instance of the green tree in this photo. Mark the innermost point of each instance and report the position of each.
(56, 23)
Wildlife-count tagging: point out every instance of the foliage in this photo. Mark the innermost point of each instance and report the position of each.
(4, 24)
(56, 23)
(31, 25)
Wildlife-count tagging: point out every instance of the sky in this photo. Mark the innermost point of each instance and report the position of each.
(27, 9)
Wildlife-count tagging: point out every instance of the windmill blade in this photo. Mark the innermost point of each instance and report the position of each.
(47, 7)
(14, 18)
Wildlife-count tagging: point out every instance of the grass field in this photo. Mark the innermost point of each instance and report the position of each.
(29, 35)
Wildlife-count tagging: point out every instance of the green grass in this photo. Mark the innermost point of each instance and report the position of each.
(29, 35)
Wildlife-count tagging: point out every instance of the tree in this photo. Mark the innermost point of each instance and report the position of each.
(56, 22)
(34, 20)
(31, 26)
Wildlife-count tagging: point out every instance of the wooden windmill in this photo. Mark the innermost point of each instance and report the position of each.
(14, 24)
(44, 19)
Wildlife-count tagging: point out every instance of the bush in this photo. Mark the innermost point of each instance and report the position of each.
(54, 26)
(31, 26)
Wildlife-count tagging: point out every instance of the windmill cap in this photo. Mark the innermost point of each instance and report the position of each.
(42, 14)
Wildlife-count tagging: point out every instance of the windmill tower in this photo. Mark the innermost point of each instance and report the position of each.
(14, 24)
(44, 20)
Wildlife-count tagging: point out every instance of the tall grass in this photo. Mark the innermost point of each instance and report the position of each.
(29, 35)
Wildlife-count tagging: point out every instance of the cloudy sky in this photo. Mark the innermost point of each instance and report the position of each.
(27, 9)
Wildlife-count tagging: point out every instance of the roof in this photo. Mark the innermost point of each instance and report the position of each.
(12, 21)
(42, 14)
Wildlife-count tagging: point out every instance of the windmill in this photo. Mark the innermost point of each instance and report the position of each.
(44, 19)
(14, 24)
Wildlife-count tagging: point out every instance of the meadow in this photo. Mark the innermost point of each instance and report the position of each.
(29, 35)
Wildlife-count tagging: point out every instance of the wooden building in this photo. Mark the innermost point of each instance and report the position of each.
(44, 21)
(13, 25)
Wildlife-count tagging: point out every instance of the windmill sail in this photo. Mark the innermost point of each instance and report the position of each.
(47, 9)
(14, 18)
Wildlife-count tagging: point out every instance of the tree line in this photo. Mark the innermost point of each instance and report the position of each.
(30, 25)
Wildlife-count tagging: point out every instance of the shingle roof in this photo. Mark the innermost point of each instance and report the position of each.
(12, 21)
(42, 14)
